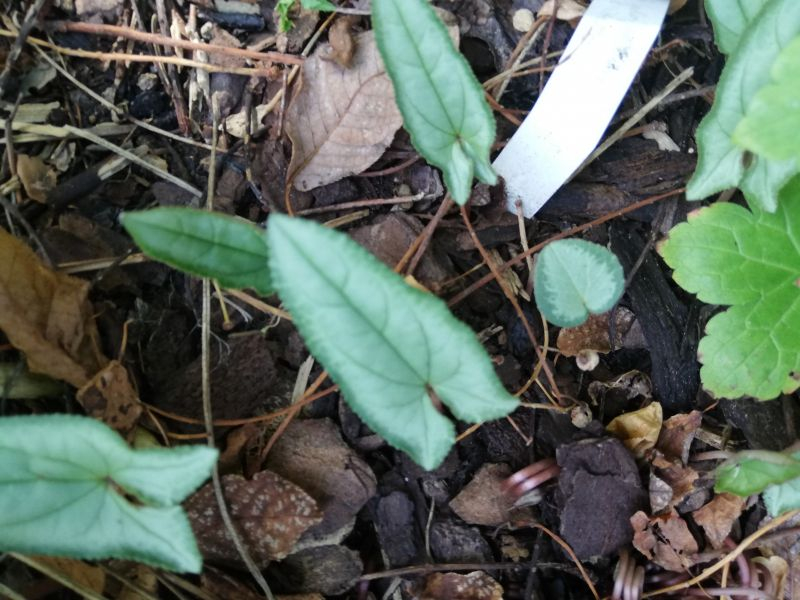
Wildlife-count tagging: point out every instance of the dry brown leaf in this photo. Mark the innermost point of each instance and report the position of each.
(778, 569)
(678, 479)
(270, 512)
(593, 334)
(718, 516)
(639, 429)
(568, 10)
(47, 316)
(342, 44)
(453, 586)
(665, 539)
(482, 501)
(342, 120)
(677, 435)
(109, 396)
(37, 178)
(85, 575)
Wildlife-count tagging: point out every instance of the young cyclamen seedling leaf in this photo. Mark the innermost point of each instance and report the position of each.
(574, 278)
(441, 101)
(752, 472)
(721, 164)
(395, 351)
(63, 486)
(749, 260)
(731, 18)
(324, 5)
(783, 497)
(772, 122)
(205, 244)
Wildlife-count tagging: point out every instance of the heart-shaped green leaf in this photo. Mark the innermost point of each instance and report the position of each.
(750, 260)
(783, 497)
(752, 472)
(721, 164)
(205, 244)
(770, 127)
(394, 350)
(731, 18)
(63, 481)
(441, 101)
(574, 278)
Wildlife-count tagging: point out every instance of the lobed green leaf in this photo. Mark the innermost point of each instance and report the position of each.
(205, 244)
(722, 164)
(574, 278)
(395, 351)
(441, 101)
(750, 260)
(772, 122)
(731, 18)
(752, 472)
(63, 481)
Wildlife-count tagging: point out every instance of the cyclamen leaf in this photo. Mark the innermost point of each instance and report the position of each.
(773, 118)
(387, 344)
(727, 254)
(574, 278)
(731, 18)
(62, 477)
(231, 250)
(441, 101)
(753, 472)
(783, 497)
(721, 164)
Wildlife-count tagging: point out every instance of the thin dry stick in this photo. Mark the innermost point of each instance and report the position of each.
(152, 38)
(112, 107)
(87, 135)
(640, 114)
(567, 233)
(513, 299)
(9, 593)
(205, 346)
(426, 236)
(16, 49)
(362, 204)
(147, 58)
(574, 558)
(58, 576)
(424, 569)
(730, 557)
(524, 44)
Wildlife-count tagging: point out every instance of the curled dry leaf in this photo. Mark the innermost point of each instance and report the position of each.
(37, 178)
(594, 333)
(453, 586)
(270, 512)
(665, 539)
(677, 435)
(110, 397)
(482, 501)
(342, 120)
(639, 429)
(47, 316)
(718, 516)
(670, 482)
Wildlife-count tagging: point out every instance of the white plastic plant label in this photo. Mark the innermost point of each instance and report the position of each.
(580, 98)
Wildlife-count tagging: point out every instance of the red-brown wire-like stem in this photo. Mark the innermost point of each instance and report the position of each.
(530, 477)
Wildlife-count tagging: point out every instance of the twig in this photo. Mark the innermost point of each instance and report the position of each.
(16, 49)
(205, 346)
(58, 576)
(152, 38)
(424, 569)
(146, 58)
(362, 204)
(427, 235)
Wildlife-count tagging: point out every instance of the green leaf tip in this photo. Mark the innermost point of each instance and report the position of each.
(205, 244)
(751, 472)
(750, 261)
(721, 163)
(574, 278)
(442, 102)
(395, 351)
(64, 481)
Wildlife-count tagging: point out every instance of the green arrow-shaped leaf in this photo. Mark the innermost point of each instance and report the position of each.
(772, 121)
(63, 481)
(205, 244)
(441, 101)
(722, 164)
(395, 351)
(574, 278)
(727, 254)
